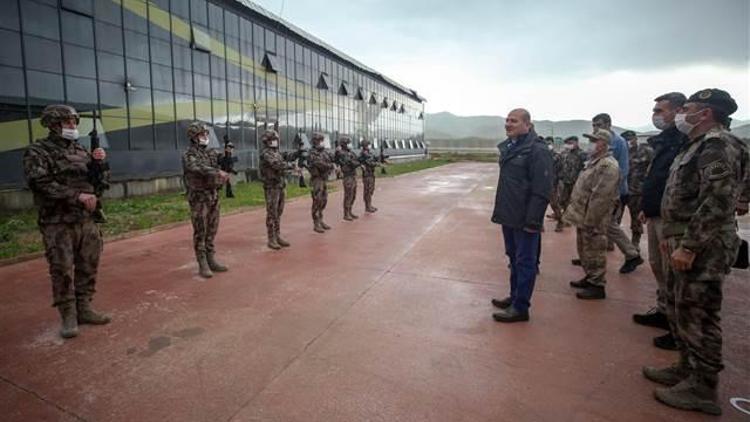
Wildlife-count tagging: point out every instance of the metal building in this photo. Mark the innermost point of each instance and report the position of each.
(148, 68)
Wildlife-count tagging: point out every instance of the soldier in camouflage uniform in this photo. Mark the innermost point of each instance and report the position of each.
(57, 171)
(640, 156)
(369, 162)
(348, 162)
(274, 165)
(320, 165)
(572, 161)
(590, 210)
(203, 179)
(698, 212)
(554, 201)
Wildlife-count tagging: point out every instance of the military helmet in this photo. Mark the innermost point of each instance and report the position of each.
(318, 137)
(365, 143)
(58, 113)
(195, 129)
(345, 140)
(269, 135)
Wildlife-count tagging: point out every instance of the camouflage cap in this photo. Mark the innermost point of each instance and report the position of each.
(629, 134)
(269, 135)
(365, 143)
(570, 139)
(195, 129)
(344, 140)
(317, 136)
(58, 113)
(715, 98)
(599, 135)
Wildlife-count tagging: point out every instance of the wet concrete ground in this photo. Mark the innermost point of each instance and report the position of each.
(387, 318)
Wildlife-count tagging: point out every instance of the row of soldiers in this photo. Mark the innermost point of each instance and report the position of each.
(204, 177)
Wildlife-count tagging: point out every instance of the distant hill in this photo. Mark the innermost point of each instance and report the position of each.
(446, 125)
(742, 131)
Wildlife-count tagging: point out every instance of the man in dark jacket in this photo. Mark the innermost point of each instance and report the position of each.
(523, 193)
(666, 145)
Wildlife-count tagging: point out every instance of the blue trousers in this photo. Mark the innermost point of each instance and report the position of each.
(523, 250)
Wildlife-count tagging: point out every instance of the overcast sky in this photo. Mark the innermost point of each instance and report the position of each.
(561, 60)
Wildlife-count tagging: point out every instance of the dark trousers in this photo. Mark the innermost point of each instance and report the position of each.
(523, 250)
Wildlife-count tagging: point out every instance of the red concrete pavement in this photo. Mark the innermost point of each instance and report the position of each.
(384, 319)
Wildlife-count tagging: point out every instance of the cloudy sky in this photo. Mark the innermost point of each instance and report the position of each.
(561, 60)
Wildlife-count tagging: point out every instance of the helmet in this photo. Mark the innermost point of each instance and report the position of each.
(195, 129)
(270, 135)
(365, 143)
(345, 140)
(318, 137)
(58, 113)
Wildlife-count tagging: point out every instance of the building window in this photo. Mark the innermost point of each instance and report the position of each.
(269, 62)
(373, 99)
(344, 88)
(359, 95)
(384, 104)
(323, 81)
(200, 39)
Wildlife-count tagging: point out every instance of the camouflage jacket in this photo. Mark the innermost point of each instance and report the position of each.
(348, 162)
(368, 162)
(573, 161)
(704, 185)
(557, 167)
(200, 166)
(320, 163)
(594, 194)
(273, 167)
(57, 171)
(640, 158)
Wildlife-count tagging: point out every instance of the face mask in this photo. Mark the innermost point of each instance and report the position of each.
(69, 134)
(203, 140)
(569, 146)
(659, 122)
(550, 147)
(273, 144)
(683, 125)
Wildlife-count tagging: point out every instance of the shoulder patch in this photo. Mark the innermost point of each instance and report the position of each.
(717, 170)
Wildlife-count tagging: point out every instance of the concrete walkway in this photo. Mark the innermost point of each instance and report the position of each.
(387, 318)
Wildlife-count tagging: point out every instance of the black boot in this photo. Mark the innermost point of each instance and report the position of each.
(652, 318)
(591, 292)
(631, 264)
(665, 342)
(581, 284)
(502, 304)
(510, 314)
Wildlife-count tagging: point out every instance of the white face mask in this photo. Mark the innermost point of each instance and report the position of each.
(659, 122)
(273, 144)
(69, 134)
(203, 140)
(550, 147)
(683, 125)
(569, 146)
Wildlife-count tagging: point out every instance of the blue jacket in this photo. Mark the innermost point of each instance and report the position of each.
(525, 183)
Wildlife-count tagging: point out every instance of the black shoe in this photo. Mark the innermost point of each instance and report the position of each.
(502, 304)
(652, 318)
(576, 262)
(665, 342)
(510, 314)
(592, 292)
(581, 284)
(631, 264)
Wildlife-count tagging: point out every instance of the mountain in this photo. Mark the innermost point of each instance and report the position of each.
(741, 131)
(445, 125)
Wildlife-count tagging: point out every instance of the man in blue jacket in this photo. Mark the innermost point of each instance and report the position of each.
(523, 193)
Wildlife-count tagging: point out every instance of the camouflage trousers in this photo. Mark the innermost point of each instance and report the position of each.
(319, 193)
(368, 189)
(72, 251)
(657, 261)
(564, 191)
(592, 250)
(204, 214)
(694, 302)
(634, 208)
(274, 209)
(350, 191)
(554, 202)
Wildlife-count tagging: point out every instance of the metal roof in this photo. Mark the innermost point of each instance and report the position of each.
(325, 46)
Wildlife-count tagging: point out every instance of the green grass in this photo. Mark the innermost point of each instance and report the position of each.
(474, 156)
(19, 234)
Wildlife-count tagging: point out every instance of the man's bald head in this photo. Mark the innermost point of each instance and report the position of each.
(517, 123)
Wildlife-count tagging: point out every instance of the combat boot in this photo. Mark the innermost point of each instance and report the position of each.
(669, 376)
(69, 328)
(203, 269)
(324, 225)
(317, 227)
(696, 392)
(86, 315)
(348, 214)
(215, 265)
(352, 215)
(283, 243)
(592, 292)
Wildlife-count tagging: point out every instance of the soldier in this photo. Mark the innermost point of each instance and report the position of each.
(320, 165)
(348, 162)
(698, 213)
(572, 161)
(369, 162)
(226, 163)
(273, 167)
(57, 171)
(203, 178)
(590, 210)
(554, 201)
(640, 158)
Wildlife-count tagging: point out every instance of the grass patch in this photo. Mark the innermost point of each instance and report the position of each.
(484, 157)
(19, 234)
